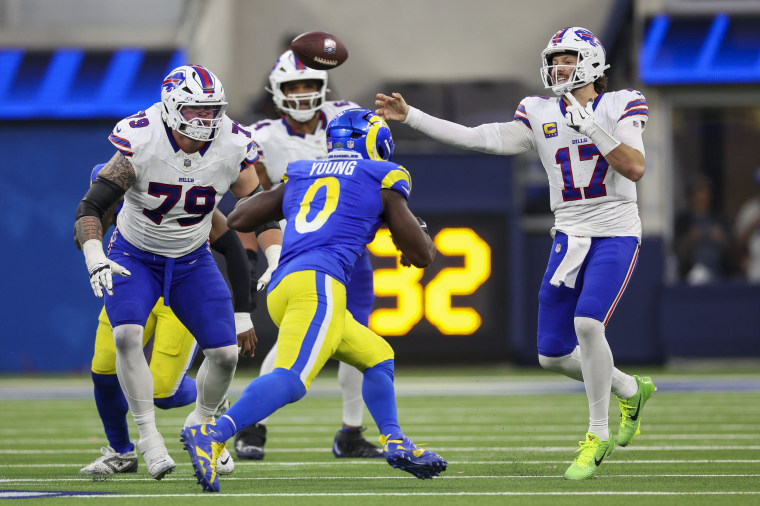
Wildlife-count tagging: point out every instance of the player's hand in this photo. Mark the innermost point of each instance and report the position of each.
(391, 108)
(101, 276)
(246, 334)
(273, 259)
(579, 118)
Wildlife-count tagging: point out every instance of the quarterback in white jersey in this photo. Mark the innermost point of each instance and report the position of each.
(299, 93)
(590, 144)
(174, 162)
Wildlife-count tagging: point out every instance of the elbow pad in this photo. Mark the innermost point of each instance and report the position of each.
(99, 198)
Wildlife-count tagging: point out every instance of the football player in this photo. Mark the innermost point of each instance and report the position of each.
(173, 351)
(174, 161)
(589, 141)
(299, 93)
(333, 208)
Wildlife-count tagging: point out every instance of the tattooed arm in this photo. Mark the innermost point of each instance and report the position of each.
(112, 182)
(109, 187)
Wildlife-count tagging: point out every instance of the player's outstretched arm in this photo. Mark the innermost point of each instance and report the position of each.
(107, 189)
(391, 108)
(254, 211)
(406, 231)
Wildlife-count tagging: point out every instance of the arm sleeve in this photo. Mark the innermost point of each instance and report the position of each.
(630, 135)
(494, 138)
(238, 269)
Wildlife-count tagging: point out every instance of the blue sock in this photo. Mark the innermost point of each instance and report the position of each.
(262, 397)
(185, 394)
(380, 397)
(112, 408)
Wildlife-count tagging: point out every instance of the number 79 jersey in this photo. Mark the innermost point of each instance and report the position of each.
(588, 197)
(333, 208)
(168, 209)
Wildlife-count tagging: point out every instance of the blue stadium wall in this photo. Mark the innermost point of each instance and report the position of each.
(49, 314)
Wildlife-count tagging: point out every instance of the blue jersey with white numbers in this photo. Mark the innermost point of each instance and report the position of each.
(333, 209)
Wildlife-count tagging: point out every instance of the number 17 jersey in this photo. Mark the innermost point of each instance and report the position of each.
(588, 197)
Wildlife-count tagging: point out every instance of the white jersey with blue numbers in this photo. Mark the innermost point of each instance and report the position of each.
(587, 196)
(279, 144)
(168, 209)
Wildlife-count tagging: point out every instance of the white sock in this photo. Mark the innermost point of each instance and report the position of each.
(135, 378)
(623, 386)
(597, 365)
(213, 380)
(350, 379)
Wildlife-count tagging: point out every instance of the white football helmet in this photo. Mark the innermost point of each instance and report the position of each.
(591, 59)
(287, 69)
(192, 86)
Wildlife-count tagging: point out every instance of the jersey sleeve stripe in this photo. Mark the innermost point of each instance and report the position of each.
(524, 120)
(393, 177)
(521, 108)
(122, 144)
(635, 103)
(635, 112)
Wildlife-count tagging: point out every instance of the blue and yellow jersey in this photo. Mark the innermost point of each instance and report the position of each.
(333, 209)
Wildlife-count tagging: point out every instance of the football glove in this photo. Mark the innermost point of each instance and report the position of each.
(581, 119)
(273, 259)
(101, 269)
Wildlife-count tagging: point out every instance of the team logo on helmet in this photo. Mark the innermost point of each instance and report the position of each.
(172, 81)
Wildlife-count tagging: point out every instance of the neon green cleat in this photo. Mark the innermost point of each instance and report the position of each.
(631, 409)
(592, 453)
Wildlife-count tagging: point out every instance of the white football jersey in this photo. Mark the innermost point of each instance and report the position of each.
(279, 144)
(587, 197)
(168, 209)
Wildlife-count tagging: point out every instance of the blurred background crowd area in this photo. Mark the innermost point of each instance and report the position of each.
(69, 69)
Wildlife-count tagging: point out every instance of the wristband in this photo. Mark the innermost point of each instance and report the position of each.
(604, 141)
(423, 225)
(243, 323)
(273, 255)
(93, 253)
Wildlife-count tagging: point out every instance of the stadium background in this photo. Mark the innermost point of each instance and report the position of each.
(70, 69)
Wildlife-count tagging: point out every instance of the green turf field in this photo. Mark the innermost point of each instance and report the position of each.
(508, 436)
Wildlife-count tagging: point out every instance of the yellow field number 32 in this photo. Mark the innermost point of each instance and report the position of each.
(434, 300)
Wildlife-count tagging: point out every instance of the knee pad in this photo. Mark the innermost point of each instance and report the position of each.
(128, 337)
(588, 328)
(226, 356)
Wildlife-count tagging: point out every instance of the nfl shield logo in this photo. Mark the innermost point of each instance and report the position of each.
(187, 162)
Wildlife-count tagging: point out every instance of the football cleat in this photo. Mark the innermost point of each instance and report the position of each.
(351, 444)
(402, 453)
(156, 456)
(204, 453)
(249, 442)
(112, 462)
(591, 454)
(224, 464)
(631, 409)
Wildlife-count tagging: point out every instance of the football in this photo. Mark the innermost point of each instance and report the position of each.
(319, 50)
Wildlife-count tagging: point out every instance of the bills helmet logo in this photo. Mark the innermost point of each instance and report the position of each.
(173, 81)
(587, 36)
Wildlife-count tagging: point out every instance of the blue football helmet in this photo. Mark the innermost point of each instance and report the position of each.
(361, 131)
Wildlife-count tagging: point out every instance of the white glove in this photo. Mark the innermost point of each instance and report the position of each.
(100, 267)
(273, 259)
(581, 119)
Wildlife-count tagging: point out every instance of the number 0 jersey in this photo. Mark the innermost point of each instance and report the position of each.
(587, 196)
(333, 208)
(168, 209)
(279, 144)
